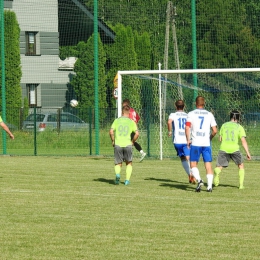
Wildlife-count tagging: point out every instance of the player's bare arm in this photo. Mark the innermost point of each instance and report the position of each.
(5, 127)
(112, 137)
(244, 144)
(213, 132)
(135, 136)
(187, 133)
(170, 127)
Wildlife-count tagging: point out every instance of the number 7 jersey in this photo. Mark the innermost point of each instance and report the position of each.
(201, 122)
(178, 127)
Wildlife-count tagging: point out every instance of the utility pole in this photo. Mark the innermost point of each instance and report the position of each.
(170, 20)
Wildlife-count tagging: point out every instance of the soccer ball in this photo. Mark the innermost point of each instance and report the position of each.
(74, 103)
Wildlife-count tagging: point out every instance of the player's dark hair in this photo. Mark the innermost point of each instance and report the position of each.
(126, 108)
(200, 101)
(179, 104)
(126, 101)
(235, 115)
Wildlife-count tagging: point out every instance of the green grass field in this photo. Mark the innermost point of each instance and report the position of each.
(69, 208)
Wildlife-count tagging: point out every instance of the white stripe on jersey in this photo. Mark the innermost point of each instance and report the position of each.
(201, 122)
(178, 127)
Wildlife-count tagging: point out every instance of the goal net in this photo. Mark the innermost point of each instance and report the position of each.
(153, 94)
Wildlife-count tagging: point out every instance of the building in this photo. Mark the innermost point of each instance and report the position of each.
(44, 27)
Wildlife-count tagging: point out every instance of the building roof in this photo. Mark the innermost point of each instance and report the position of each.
(76, 23)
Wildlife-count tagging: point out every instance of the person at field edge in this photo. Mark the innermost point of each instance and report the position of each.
(176, 130)
(6, 128)
(200, 128)
(229, 135)
(135, 117)
(122, 142)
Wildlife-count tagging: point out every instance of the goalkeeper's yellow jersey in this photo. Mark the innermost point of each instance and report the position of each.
(231, 132)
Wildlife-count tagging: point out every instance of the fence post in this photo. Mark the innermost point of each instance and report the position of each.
(90, 129)
(58, 119)
(148, 131)
(35, 131)
(21, 118)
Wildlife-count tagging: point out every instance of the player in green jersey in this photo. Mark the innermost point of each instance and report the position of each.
(120, 134)
(229, 135)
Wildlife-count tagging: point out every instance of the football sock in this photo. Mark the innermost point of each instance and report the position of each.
(117, 169)
(210, 180)
(128, 170)
(196, 174)
(186, 166)
(137, 146)
(217, 171)
(241, 174)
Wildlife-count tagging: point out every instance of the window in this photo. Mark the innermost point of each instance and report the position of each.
(52, 118)
(32, 94)
(39, 117)
(31, 43)
(74, 119)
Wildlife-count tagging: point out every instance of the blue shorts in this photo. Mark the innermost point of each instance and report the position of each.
(182, 150)
(196, 151)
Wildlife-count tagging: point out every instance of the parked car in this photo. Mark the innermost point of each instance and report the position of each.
(53, 121)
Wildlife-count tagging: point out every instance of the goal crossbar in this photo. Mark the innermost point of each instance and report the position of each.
(187, 71)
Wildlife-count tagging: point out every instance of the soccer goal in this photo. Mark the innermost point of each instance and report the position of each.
(153, 94)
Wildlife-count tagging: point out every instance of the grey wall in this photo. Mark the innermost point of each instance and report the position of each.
(43, 68)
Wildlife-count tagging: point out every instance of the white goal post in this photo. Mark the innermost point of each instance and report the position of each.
(159, 72)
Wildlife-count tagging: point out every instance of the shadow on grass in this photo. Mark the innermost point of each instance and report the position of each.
(172, 184)
(109, 181)
(99, 157)
(226, 186)
(183, 185)
(178, 186)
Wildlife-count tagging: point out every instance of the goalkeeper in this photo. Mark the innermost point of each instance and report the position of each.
(229, 135)
(135, 117)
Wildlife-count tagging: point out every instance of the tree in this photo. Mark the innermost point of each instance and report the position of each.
(224, 38)
(253, 14)
(122, 56)
(143, 48)
(13, 72)
(83, 81)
